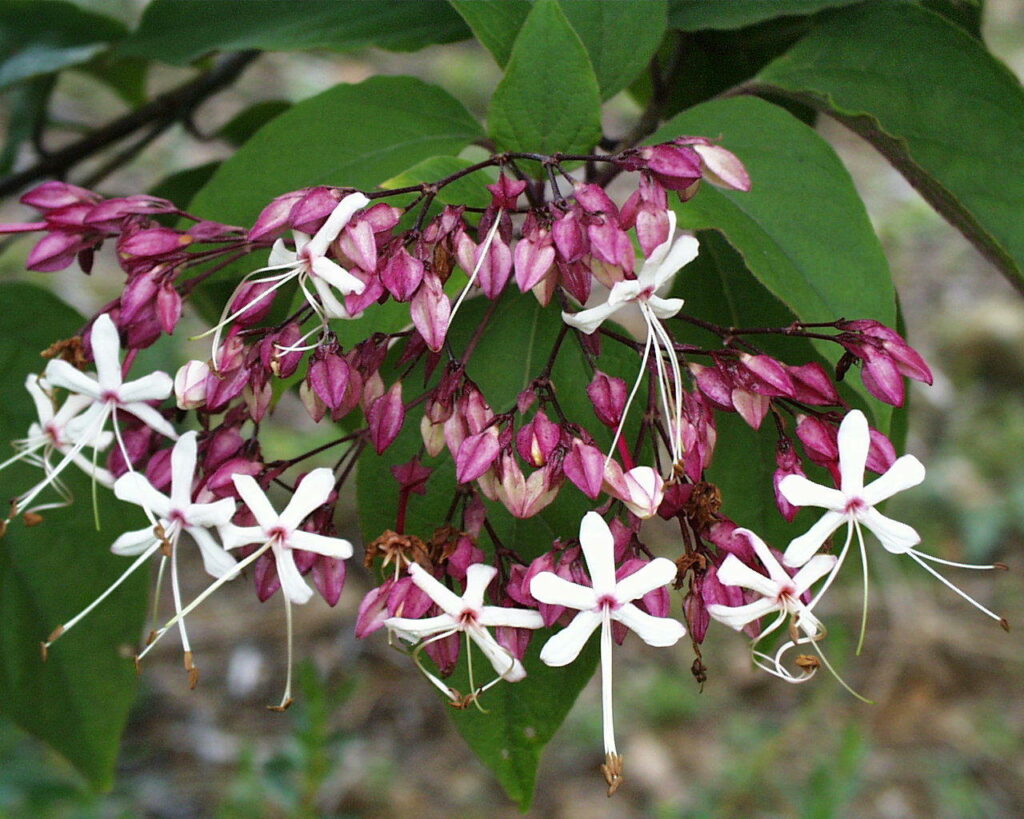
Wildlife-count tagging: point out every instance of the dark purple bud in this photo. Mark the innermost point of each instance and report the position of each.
(505, 192)
(385, 418)
(465, 555)
(445, 653)
(714, 384)
(329, 378)
(811, 385)
(221, 445)
(723, 534)
(412, 476)
(788, 463)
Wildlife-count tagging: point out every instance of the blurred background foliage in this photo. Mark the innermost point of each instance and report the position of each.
(368, 738)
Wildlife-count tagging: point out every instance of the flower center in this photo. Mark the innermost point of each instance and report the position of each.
(110, 397)
(854, 505)
(278, 533)
(607, 601)
(467, 618)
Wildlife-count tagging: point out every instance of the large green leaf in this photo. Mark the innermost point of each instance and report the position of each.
(619, 38)
(42, 36)
(934, 102)
(522, 716)
(695, 15)
(351, 135)
(549, 99)
(78, 700)
(27, 107)
(180, 31)
(802, 230)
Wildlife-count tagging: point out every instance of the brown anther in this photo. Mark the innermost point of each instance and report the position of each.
(70, 350)
(138, 665)
(280, 709)
(32, 519)
(1004, 623)
(55, 634)
(794, 633)
(703, 505)
(151, 636)
(612, 770)
(403, 549)
(44, 650)
(1001, 566)
(165, 544)
(699, 671)
(444, 262)
(808, 662)
(193, 672)
(3, 528)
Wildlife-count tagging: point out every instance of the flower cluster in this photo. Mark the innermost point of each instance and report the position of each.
(187, 451)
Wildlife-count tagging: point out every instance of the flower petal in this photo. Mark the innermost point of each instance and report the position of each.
(321, 544)
(903, 474)
(800, 491)
(659, 572)
(683, 251)
(311, 492)
(294, 587)
(340, 216)
(206, 515)
(738, 616)
(896, 537)
(413, 629)
(564, 647)
(59, 373)
(280, 256)
(734, 572)
(509, 617)
(183, 470)
(134, 542)
(501, 659)
(652, 264)
(801, 548)
(587, 321)
(151, 418)
(812, 571)
(216, 560)
(599, 550)
(234, 536)
(134, 488)
(337, 276)
(478, 576)
(155, 386)
(655, 631)
(256, 499)
(106, 352)
(548, 587)
(450, 603)
(854, 441)
(664, 308)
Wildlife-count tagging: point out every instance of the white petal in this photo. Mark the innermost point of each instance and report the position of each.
(655, 631)
(337, 276)
(501, 658)
(61, 374)
(854, 442)
(134, 488)
(564, 647)
(684, 250)
(548, 587)
(659, 572)
(183, 470)
(801, 548)
(800, 491)
(216, 560)
(599, 550)
(588, 321)
(812, 571)
(329, 303)
(413, 630)
(321, 544)
(512, 618)
(217, 513)
(234, 536)
(649, 271)
(764, 554)
(151, 418)
(44, 406)
(450, 603)
(280, 256)
(738, 616)
(340, 216)
(106, 352)
(478, 577)
(312, 492)
(665, 308)
(134, 543)
(734, 572)
(292, 584)
(155, 386)
(896, 537)
(256, 499)
(903, 474)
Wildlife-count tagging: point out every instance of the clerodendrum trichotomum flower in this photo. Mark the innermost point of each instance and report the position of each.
(854, 504)
(655, 276)
(466, 614)
(598, 604)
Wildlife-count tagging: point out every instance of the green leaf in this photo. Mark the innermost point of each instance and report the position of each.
(182, 185)
(522, 716)
(695, 15)
(27, 109)
(351, 135)
(469, 190)
(42, 36)
(180, 31)
(619, 40)
(246, 123)
(946, 113)
(78, 700)
(126, 76)
(802, 230)
(548, 100)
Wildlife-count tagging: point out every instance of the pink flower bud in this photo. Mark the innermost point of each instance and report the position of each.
(152, 242)
(444, 653)
(274, 217)
(109, 214)
(818, 437)
(788, 464)
(385, 418)
(221, 445)
(433, 436)
(608, 395)
(221, 482)
(402, 274)
(714, 384)
(514, 640)
(773, 378)
(316, 408)
(430, 312)
(465, 555)
(533, 258)
(476, 454)
(358, 244)
(524, 497)
(584, 466)
(55, 251)
(252, 302)
(495, 267)
(138, 297)
(811, 385)
(751, 406)
(644, 491)
(158, 469)
(328, 376)
(310, 211)
(537, 439)
(723, 535)
(373, 610)
(881, 453)
(594, 200)
(280, 352)
(168, 307)
(569, 237)
(223, 387)
(883, 379)
(676, 167)
(412, 476)
(55, 194)
(721, 167)
(475, 409)
(190, 384)
(609, 243)
(329, 578)
(258, 395)
(505, 192)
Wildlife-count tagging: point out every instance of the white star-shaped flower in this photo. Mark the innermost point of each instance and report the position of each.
(598, 604)
(280, 532)
(467, 614)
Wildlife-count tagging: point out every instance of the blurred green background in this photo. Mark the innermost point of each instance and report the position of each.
(367, 737)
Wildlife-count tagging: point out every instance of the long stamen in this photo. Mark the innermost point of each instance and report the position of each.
(629, 400)
(485, 249)
(176, 597)
(612, 767)
(677, 392)
(864, 568)
(286, 698)
(662, 373)
(816, 643)
(835, 569)
(1001, 620)
(447, 690)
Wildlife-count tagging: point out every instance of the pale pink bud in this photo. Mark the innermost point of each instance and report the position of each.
(609, 243)
(721, 167)
(258, 394)
(644, 491)
(373, 610)
(316, 408)
(190, 384)
(751, 406)
(329, 578)
(608, 395)
(652, 227)
(433, 436)
(523, 497)
(385, 418)
(55, 194)
(533, 258)
(274, 217)
(402, 274)
(475, 409)
(584, 466)
(496, 267)
(430, 312)
(536, 440)
(359, 245)
(476, 454)
(373, 388)
(168, 307)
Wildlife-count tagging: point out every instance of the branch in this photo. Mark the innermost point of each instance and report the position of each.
(169, 107)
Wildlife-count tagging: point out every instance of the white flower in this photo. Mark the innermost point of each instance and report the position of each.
(598, 604)
(466, 614)
(655, 276)
(854, 504)
(280, 532)
(778, 592)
